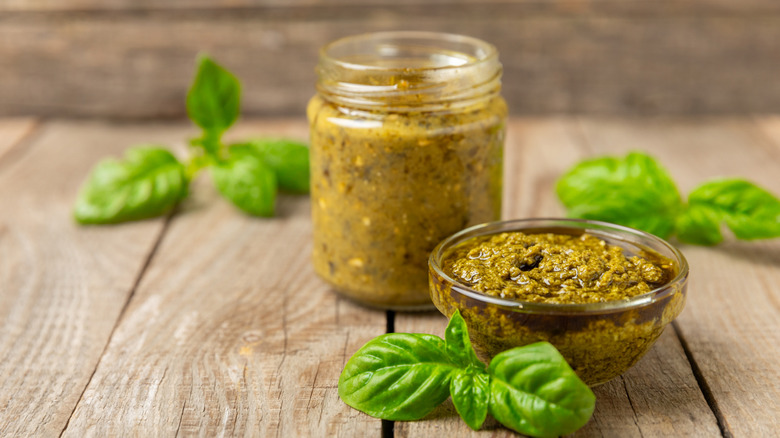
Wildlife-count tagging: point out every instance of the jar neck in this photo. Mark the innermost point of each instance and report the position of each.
(408, 71)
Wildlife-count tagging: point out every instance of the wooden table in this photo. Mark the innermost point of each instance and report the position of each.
(212, 323)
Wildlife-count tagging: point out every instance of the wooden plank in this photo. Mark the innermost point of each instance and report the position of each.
(13, 131)
(659, 397)
(62, 287)
(769, 126)
(444, 420)
(230, 332)
(656, 398)
(729, 326)
(530, 5)
(694, 150)
(559, 57)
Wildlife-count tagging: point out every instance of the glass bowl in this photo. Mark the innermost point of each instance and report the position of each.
(599, 340)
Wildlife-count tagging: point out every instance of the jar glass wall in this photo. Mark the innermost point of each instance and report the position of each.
(407, 134)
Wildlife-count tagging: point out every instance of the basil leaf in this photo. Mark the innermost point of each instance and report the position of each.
(210, 142)
(699, 225)
(534, 391)
(289, 159)
(148, 182)
(397, 376)
(749, 211)
(470, 392)
(248, 183)
(458, 344)
(214, 98)
(635, 191)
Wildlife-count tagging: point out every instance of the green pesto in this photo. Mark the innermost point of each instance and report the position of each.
(388, 186)
(598, 345)
(555, 268)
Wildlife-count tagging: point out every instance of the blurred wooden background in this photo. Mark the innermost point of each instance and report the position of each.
(133, 59)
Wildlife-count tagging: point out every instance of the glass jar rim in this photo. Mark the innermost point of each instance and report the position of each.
(408, 71)
(434, 262)
(486, 52)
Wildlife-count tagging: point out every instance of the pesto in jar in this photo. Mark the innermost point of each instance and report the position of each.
(404, 152)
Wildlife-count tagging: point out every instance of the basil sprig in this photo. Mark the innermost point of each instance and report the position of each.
(638, 192)
(404, 376)
(150, 181)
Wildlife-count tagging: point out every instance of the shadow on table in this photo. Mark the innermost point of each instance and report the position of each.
(759, 252)
(446, 414)
(202, 198)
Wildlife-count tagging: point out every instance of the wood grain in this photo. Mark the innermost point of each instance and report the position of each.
(769, 126)
(659, 397)
(230, 333)
(62, 287)
(13, 132)
(530, 5)
(123, 59)
(444, 420)
(730, 324)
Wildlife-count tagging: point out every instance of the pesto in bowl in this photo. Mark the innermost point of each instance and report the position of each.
(601, 293)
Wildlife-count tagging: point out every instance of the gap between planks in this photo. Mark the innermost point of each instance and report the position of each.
(227, 353)
(121, 315)
(63, 285)
(578, 131)
(624, 410)
(388, 426)
(731, 363)
(390, 318)
(704, 387)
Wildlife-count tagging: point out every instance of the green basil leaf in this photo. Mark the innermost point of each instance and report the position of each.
(210, 142)
(699, 225)
(634, 191)
(288, 158)
(749, 211)
(534, 391)
(397, 376)
(458, 344)
(248, 183)
(214, 98)
(470, 392)
(148, 182)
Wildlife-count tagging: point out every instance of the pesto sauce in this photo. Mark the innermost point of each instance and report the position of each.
(573, 268)
(555, 268)
(388, 186)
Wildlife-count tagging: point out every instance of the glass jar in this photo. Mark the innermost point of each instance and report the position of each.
(407, 136)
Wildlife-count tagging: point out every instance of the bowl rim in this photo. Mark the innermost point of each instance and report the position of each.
(495, 227)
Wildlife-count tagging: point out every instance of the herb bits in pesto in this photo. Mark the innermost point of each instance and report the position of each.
(555, 268)
(407, 134)
(600, 293)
